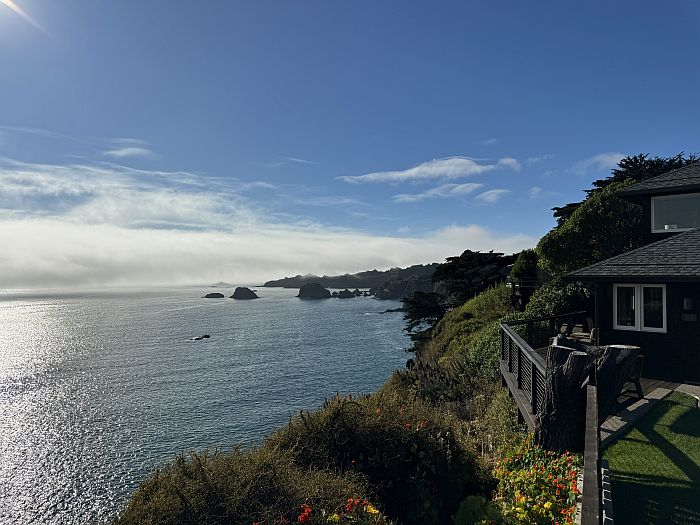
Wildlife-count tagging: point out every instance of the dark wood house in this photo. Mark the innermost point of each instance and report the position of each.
(650, 297)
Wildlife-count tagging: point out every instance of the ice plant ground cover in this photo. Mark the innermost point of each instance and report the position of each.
(655, 467)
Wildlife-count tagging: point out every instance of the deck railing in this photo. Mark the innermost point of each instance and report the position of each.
(537, 331)
(592, 504)
(524, 372)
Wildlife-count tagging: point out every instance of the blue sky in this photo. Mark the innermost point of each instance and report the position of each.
(145, 142)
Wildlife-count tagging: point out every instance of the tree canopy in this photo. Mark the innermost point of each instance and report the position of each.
(629, 170)
(602, 225)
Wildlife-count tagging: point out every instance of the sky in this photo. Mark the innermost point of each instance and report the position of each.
(190, 142)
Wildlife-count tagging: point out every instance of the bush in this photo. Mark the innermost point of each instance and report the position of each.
(415, 458)
(455, 330)
(525, 266)
(254, 486)
(559, 297)
(602, 226)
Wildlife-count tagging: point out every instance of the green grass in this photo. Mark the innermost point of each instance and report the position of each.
(655, 467)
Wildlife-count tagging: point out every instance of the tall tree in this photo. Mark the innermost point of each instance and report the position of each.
(472, 272)
(602, 225)
(629, 170)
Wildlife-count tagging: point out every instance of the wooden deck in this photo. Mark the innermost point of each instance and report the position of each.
(629, 395)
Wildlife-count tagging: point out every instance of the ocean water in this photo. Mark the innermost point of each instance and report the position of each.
(99, 389)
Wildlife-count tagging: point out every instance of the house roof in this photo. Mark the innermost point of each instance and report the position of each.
(675, 258)
(682, 179)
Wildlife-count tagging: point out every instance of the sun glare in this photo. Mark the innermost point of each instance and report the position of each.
(21, 12)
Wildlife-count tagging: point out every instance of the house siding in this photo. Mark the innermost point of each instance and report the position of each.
(674, 354)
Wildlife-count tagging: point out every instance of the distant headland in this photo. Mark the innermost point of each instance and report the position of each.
(395, 283)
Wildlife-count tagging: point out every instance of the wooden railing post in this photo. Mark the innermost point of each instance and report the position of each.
(591, 510)
(533, 386)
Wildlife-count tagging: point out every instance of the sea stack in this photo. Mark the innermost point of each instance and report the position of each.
(313, 291)
(214, 295)
(346, 294)
(242, 292)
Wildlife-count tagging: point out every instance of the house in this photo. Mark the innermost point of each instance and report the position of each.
(650, 297)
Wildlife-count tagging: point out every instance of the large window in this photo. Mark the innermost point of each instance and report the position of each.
(675, 212)
(639, 307)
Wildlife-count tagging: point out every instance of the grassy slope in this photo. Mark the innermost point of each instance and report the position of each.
(656, 466)
(469, 330)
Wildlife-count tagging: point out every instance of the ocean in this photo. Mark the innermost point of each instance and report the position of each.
(98, 389)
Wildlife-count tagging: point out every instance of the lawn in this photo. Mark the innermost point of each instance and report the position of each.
(655, 467)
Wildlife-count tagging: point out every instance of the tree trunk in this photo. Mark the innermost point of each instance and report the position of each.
(561, 422)
(614, 367)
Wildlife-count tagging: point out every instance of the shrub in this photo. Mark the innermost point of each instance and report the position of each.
(415, 458)
(451, 335)
(525, 266)
(602, 226)
(537, 486)
(254, 486)
(494, 422)
(559, 297)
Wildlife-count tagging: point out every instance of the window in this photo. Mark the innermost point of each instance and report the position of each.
(675, 212)
(639, 307)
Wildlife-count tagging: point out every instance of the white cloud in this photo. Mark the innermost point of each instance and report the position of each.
(298, 160)
(104, 224)
(447, 168)
(509, 162)
(534, 192)
(56, 253)
(599, 162)
(108, 193)
(128, 152)
(539, 158)
(490, 142)
(491, 196)
(442, 191)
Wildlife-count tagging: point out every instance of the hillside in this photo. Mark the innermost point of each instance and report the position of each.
(369, 279)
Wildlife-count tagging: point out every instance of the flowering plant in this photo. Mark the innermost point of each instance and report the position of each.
(537, 486)
(355, 511)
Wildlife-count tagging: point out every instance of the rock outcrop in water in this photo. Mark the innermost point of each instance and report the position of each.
(346, 294)
(214, 295)
(244, 293)
(313, 291)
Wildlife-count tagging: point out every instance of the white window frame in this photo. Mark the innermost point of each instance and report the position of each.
(663, 198)
(639, 307)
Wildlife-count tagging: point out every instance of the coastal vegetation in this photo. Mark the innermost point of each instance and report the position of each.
(395, 283)
(439, 442)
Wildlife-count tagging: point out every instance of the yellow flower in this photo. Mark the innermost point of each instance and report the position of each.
(334, 518)
(548, 505)
(371, 509)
